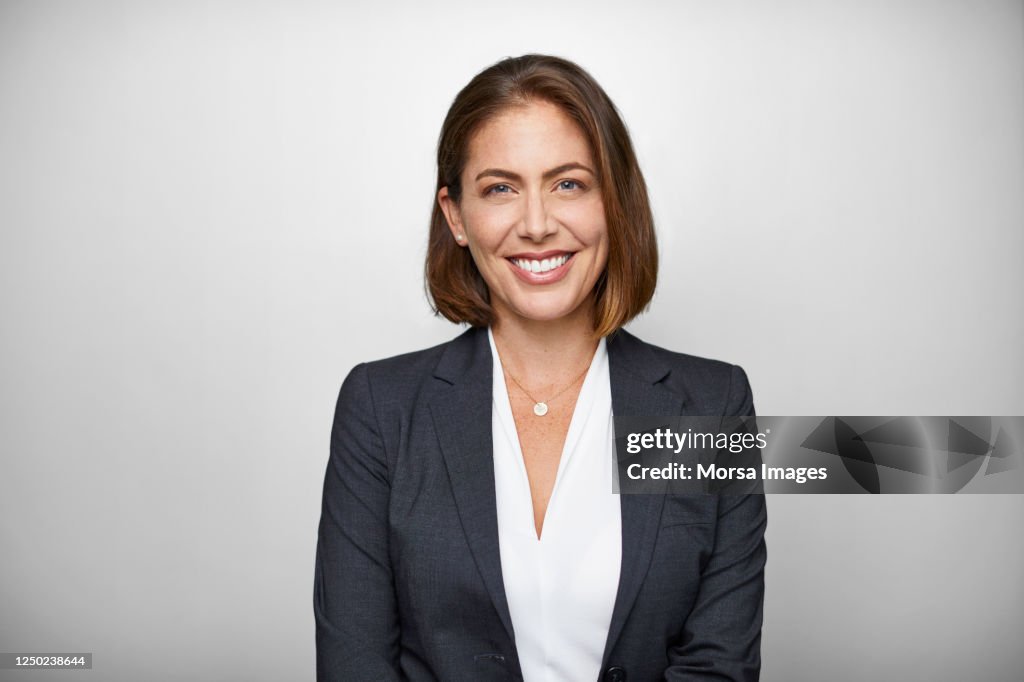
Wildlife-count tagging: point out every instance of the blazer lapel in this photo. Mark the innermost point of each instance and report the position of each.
(461, 409)
(635, 372)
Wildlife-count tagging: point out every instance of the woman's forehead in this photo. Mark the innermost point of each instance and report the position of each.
(532, 137)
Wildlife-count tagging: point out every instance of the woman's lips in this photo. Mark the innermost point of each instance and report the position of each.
(531, 270)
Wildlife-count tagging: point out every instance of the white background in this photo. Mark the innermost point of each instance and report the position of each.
(209, 212)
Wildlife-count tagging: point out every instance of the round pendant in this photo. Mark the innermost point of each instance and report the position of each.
(540, 409)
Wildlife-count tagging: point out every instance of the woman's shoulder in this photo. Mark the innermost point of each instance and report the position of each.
(400, 373)
(712, 384)
(709, 368)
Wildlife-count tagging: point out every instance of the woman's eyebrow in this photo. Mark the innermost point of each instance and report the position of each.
(509, 175)
(566, 167)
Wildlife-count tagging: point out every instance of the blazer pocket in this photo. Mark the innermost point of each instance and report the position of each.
(680, 524)
(687, 512)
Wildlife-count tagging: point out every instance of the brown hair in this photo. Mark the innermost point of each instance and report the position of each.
(454, 285)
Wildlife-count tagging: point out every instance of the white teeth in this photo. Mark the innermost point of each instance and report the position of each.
(545, 265)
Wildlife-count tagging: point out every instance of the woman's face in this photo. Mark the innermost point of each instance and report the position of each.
(531, 214)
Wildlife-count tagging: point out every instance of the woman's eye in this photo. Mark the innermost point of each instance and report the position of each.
(499, 189)
(569, 185)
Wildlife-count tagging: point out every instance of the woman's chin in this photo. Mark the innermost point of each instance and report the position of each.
(546, 312)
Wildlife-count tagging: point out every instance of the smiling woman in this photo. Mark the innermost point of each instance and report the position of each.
(530, 183)
(469, 528)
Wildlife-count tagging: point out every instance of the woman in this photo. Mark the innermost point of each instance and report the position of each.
(469, 530)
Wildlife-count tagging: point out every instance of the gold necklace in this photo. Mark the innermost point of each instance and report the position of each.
(540, 408)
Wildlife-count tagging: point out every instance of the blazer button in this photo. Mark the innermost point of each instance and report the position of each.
(615, 674)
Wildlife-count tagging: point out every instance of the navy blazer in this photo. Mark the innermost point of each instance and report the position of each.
(408, 582)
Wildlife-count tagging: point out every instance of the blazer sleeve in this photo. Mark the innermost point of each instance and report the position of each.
(722, 635)
(354, 603)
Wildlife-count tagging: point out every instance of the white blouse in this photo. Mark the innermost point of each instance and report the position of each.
(561, 588)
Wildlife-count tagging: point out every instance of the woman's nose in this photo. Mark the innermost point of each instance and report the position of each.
(537, 223)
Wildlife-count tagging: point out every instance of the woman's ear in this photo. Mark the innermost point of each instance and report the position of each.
(452, 216)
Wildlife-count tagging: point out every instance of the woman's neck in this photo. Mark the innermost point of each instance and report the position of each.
(543, 353)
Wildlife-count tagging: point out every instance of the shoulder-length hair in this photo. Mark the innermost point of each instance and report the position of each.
(454, 285)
